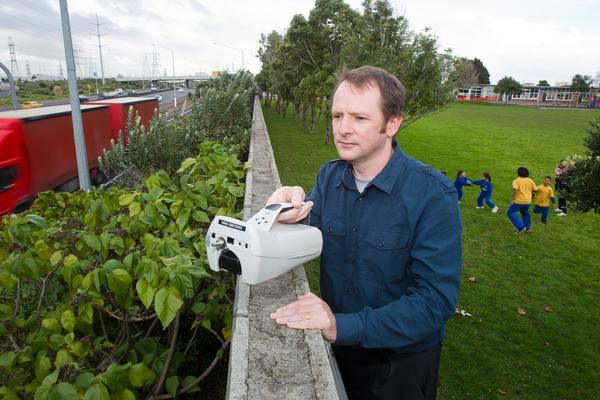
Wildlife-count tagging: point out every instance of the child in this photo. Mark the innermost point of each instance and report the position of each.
(543, 198)
(523, 189)
(486, 192)
(460, 181)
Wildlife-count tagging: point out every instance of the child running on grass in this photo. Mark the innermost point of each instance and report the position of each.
(543, 198)
(460, 181)
(486, 192)
(523, 189)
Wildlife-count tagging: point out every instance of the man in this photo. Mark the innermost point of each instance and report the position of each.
(391, 259)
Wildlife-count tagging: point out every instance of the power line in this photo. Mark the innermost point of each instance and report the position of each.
(98, 24)
(14, 66)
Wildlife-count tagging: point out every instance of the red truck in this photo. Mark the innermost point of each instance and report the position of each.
(37, 148)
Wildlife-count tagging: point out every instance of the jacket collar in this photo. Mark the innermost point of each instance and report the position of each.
(385, 180)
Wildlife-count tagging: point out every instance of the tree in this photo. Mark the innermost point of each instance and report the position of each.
(469, 74)
(583, 176)
(581, 83)
(313, 51)
(484, 75)
(543, 82)
(509, 86)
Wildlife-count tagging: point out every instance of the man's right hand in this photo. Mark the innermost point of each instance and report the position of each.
(294, 195)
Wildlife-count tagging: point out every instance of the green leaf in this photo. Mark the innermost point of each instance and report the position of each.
(171, 385)
(134, 209)
(183, 217)
(70, 260)
(126, 199)
(84, 381)
(85, 313)
(69, 337)
(67, 319)
(55, 258)
(183, 282)
(31, 267)
(149, 270)
(188, 162)
(145, 291)
(63, 391)
(7, 361)
(8, 394)
(152, 183)
(123, 395)
(111, 265)
(116, 377)
(167, 303)
(92, 240)
(97, 392)
(199, 307)
(163, 178)
(117, 244)
(202, 202)
(56, 341)
(62, 358)
(236, 191)
(140, 375)
(42, 250)
(51, 324)
(146, 346)
(206, 324)
(200, 216)
(37, 220)
(119, 281)
(42, 365)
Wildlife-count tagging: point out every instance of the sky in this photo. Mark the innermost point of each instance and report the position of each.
(528, 40)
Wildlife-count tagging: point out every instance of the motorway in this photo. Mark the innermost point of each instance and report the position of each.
(165, 104)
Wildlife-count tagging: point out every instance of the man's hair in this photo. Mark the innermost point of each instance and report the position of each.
(392, 91)
(523, 172)
(487, 176)
(547, 177)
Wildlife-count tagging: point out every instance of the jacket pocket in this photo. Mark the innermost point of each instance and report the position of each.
(387, 240)
(386, 256)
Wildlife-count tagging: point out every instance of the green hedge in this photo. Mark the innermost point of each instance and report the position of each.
(104, 294)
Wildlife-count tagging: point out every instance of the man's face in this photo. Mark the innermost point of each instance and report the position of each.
(546, 181)
(360, 131)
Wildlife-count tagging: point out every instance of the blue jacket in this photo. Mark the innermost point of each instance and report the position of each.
(460, 182)
(486, 186)
(391, 259)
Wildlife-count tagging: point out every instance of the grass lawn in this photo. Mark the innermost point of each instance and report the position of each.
(498, 353)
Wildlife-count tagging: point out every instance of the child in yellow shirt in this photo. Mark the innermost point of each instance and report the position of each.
(523, 189)
(543, 197)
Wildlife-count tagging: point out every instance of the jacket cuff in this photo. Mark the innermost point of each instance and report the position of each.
(349, 329)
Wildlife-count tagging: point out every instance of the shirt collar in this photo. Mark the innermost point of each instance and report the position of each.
(385, 180)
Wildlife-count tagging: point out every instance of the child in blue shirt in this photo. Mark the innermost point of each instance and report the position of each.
(460, 181)
(485, 183)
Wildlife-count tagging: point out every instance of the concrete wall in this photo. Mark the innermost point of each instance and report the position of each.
(268, 361)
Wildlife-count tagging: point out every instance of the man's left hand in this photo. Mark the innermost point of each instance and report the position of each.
(308, 312)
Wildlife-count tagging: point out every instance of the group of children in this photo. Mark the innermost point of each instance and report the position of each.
(524, 189)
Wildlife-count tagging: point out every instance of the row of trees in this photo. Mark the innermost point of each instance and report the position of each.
(299, 68)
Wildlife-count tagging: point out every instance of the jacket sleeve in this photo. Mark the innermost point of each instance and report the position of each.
(434, 281)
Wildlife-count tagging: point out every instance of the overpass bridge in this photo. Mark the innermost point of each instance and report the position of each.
(185, 79)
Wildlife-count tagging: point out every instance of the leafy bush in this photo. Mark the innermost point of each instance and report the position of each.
(102, 294)
(583, 176)
(223, 109)
(140, 152)
(221, 112)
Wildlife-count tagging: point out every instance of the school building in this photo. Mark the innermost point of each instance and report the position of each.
(542, 96)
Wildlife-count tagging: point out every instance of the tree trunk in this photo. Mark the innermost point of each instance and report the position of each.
(328, 127)
(316, 115)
